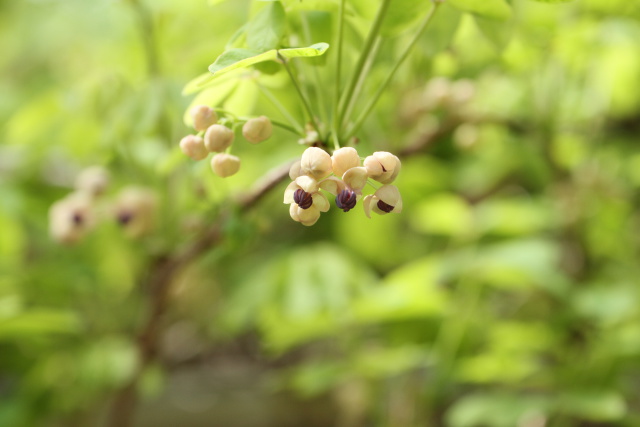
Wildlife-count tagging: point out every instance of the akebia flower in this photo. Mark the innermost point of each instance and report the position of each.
(92, 181)
(257, 130)
(225, 165)
(71, 218)
(316, 163)
(218, 138)
(305, 200)
(344, 159)
(382, 167)
(385, 200)
(193, 146)
(135, 210)
(203, 116)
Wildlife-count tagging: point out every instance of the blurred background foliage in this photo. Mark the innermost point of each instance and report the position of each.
(506, 293)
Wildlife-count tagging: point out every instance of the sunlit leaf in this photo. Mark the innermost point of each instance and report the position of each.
(267, 28)
(496, 9)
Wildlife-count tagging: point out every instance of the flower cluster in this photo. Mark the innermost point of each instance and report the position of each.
(344, 176)
(74, 216)
(217, 138)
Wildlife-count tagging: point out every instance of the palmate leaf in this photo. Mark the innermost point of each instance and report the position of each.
(241, 58)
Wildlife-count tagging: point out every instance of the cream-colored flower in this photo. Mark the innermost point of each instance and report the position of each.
(305, 200)
(257, 130)
(386, 199)
(353, 181)
(203, 116)
(71, 218)
(225, 165)
(135, 210)
(382, 166)
(93, 181)
(316, 163)
(344, 159)
(193, 146)
(218, 138)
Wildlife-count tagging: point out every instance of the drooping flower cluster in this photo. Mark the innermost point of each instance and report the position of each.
(344, 176)
(214, 137)
(74, 216)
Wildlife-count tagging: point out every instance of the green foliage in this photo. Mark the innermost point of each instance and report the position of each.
(505, 293)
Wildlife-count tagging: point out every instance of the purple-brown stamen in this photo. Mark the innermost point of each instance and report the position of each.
(346, 200)
(302, 198)
(384, 207)
(125, 218)
(77, 218)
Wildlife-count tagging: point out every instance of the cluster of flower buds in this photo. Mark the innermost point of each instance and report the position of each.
(343, 176)
(74, 216)
(214, 137)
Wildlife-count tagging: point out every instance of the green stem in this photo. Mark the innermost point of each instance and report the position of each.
(303, 98)
(283, 110)
(360, 84)
(336, 98)
(364, 57)
(373, 101)
(316, 75)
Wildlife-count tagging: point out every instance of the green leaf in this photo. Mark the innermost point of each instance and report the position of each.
(267, 28)
(552, 1)
(495, 9)
(240, 58)
(402, 14)
(498, 32)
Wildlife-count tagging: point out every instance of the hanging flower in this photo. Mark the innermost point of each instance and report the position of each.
(225, 165)
(305, 200)
(257, 130)
(316, 163)
(386, 199)
(71, 218)
(193, 146)
(135, 210)
(382, 166)
(203, 116)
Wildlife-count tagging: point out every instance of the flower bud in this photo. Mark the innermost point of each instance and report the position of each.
(92, 181)
(71, 218)
(315, 162)
(344, 159)
(257, 130)
(382, 166)
(225, 165)
(135, 209)
(218, 138)
(203, 116)
(193, 146)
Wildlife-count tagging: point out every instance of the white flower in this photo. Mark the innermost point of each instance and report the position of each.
(306, 201)
(218, 138)
(316, 163)
(193, 146)
(382, 166)
(257, 130)
(344, 159)
(225, 165)
(93, 181)
(135, 210)
(203, 116)
(71, 218)
(386, 199)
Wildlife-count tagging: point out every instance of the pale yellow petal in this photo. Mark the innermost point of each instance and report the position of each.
(288, 192)
(307, 183)
(295, 171)
(315, 162)
(356, 178)
(308, 216)
(366, 204)
(333, 185)
(320, 202)
(344, 159)
(389, 194)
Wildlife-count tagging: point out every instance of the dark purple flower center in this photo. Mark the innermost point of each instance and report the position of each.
(384, 207)
(125, 217)
(302, 198)
(77, 219)
(346, 200)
